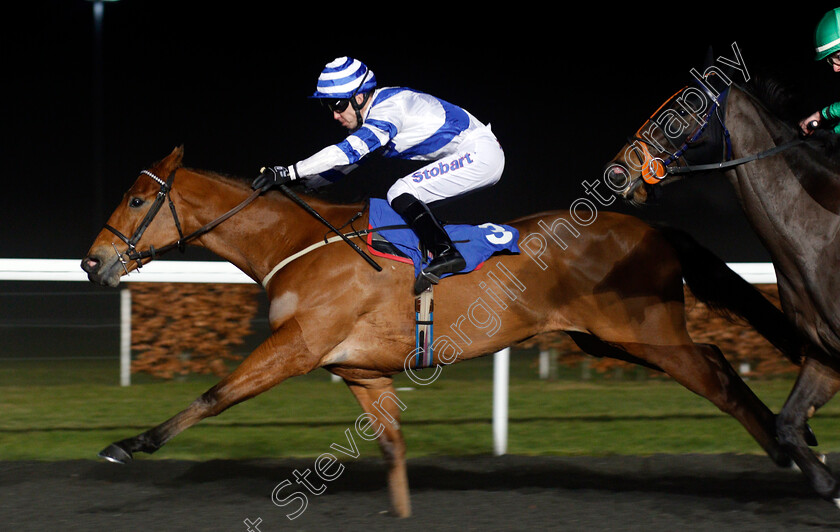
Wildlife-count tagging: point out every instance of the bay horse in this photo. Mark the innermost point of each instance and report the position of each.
(789, 188)
(614, 283)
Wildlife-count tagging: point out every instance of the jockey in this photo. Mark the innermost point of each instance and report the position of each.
(463, 153)
(827, 43)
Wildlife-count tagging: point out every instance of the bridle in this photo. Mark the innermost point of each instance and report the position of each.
(132, 253)
(654, 169)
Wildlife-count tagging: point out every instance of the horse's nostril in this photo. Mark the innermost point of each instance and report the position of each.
(617, 178)
(90, 264)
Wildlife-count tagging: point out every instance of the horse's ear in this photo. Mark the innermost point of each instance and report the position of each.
(709, 60)
(177, 156)
(173, 160)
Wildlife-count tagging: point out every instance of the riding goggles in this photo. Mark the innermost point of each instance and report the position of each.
(336, 106)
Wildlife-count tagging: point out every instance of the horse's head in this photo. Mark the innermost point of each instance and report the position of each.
(138, 222)
(685, 129)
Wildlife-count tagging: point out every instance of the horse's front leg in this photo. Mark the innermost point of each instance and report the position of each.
(816, 384)
(379, 400)
(284, 354)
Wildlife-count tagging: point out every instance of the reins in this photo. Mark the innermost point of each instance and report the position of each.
(690, 169)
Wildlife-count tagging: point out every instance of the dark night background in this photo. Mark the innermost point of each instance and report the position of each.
(562, 91)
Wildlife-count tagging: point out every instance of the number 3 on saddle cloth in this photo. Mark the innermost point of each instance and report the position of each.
(391, 238)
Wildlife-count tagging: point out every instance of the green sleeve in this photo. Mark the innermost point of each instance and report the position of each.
(832, 112)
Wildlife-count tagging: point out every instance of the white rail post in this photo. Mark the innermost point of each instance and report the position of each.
(544, 364)
(125, 337)
(501, 371)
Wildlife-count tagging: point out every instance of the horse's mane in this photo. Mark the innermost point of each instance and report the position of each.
(775, 96)
(236, 180)
(779, 100)
(300, 189)
(239, 181)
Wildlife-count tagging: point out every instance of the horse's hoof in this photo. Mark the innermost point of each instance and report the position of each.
(115, 453)
(810, 437)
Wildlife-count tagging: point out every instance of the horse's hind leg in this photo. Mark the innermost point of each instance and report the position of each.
(816, 384)
(704, 370)
(378, 399)
(282, 355)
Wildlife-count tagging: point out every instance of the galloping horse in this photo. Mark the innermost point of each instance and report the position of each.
(614, 283)
(789, 189)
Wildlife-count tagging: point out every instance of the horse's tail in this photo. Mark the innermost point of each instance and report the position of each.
(728, 294)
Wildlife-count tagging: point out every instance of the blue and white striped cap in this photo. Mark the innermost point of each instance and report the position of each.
(343, 77)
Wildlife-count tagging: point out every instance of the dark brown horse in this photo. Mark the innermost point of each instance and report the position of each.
(789, 189)
(613, 282)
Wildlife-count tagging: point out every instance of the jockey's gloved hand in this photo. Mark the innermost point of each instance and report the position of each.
(272, 176)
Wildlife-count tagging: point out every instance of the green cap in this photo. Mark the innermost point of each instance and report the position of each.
(827, 34)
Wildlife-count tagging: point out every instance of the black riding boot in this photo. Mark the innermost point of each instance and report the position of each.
(445, 257)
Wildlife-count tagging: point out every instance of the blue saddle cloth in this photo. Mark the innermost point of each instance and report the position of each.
(475, 242)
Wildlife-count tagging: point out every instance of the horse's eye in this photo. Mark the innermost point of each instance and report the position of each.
(135, 202)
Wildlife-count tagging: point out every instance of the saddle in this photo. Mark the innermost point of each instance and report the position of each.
(390, 238)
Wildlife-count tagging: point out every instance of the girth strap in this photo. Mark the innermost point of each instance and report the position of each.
(343, 236)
